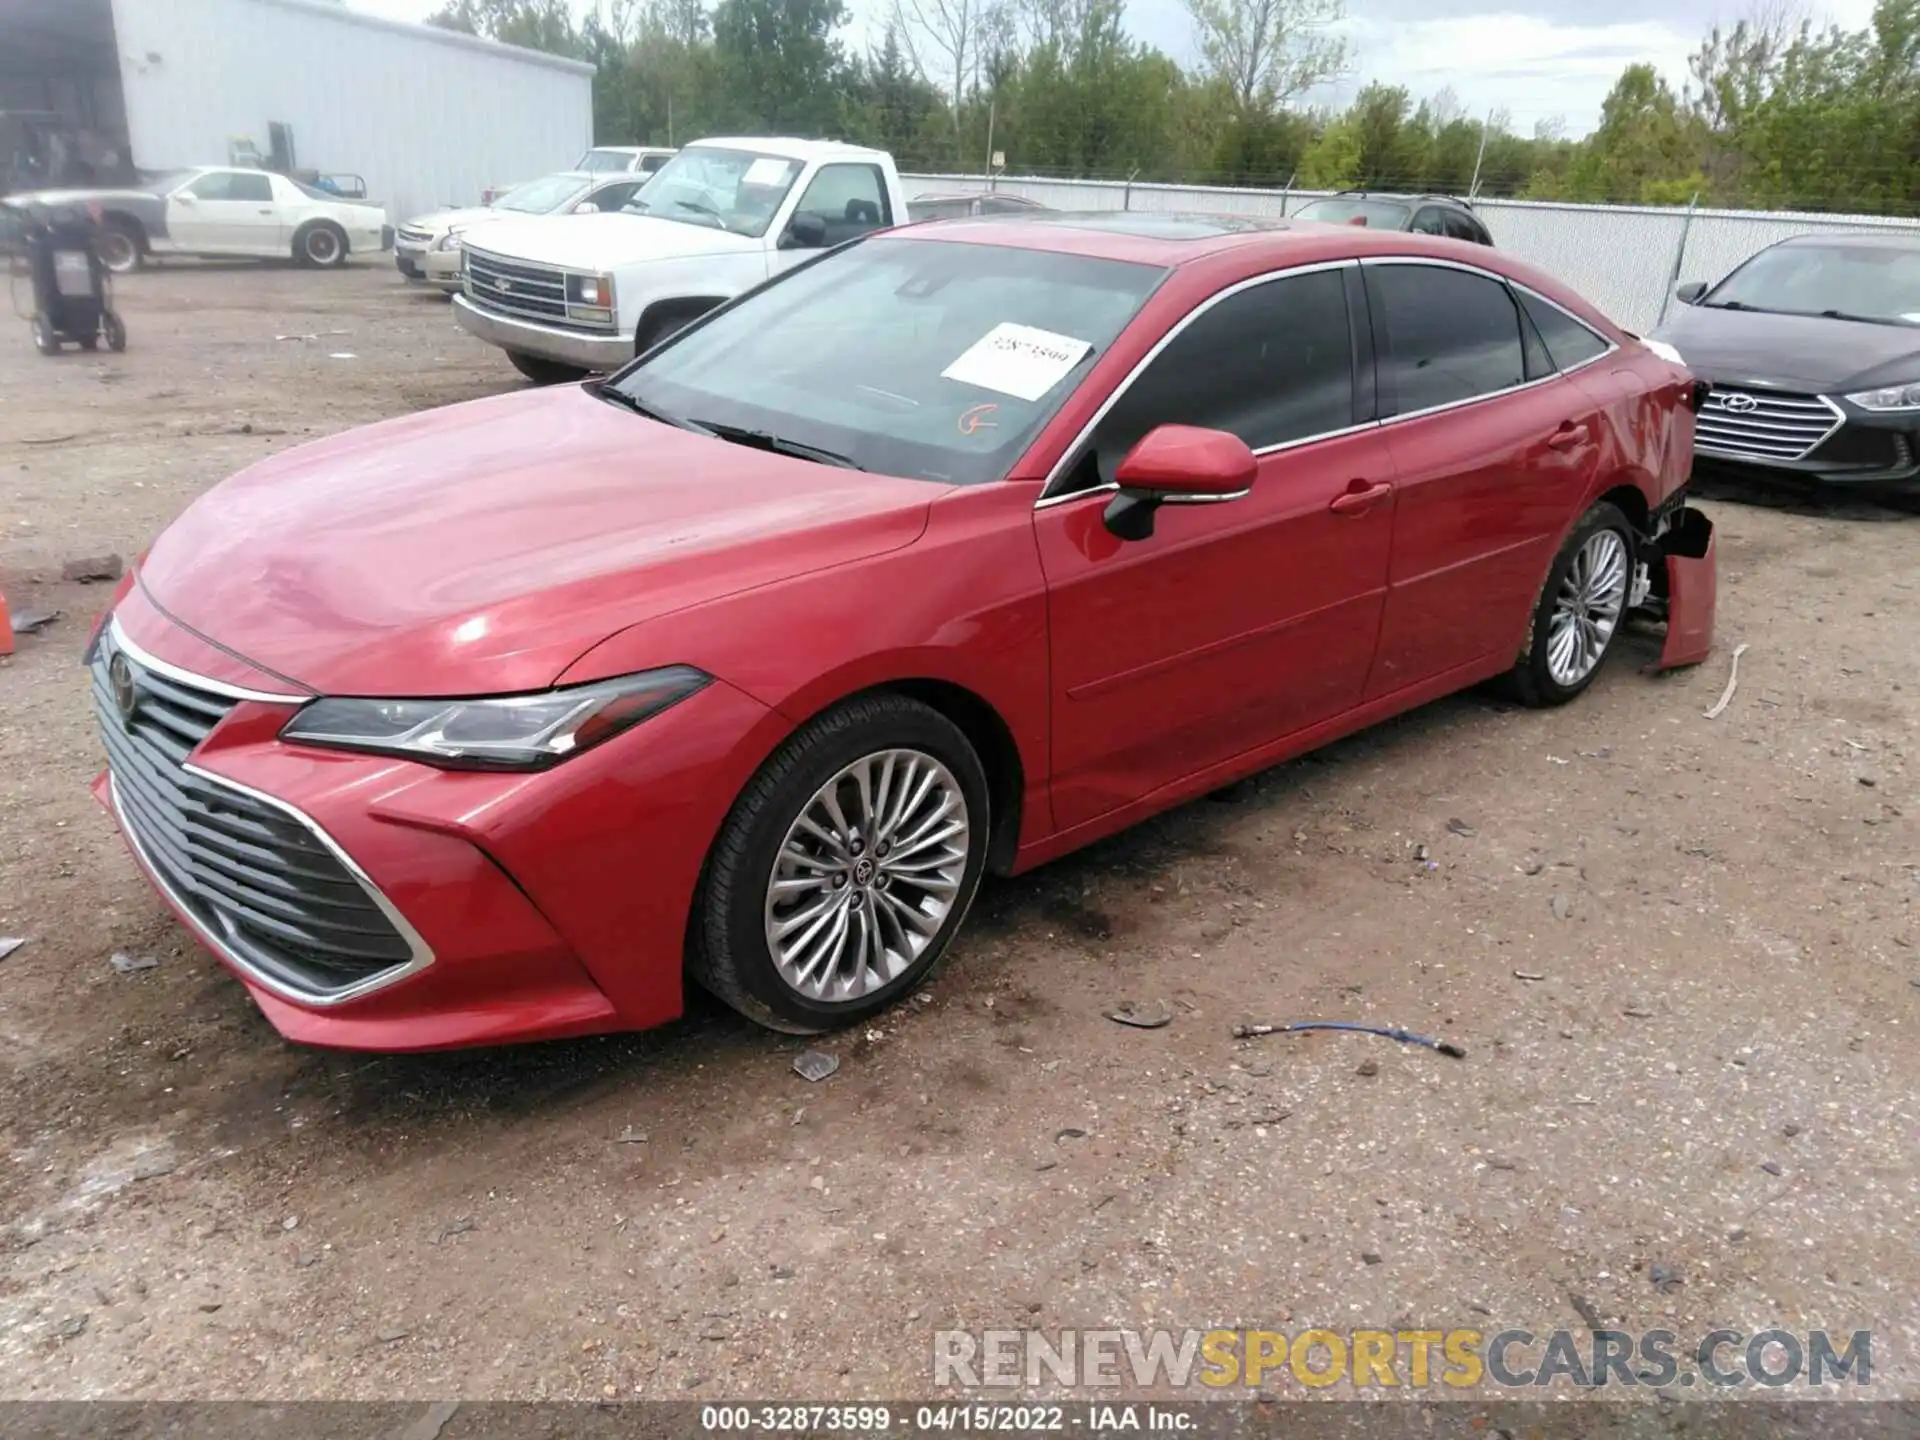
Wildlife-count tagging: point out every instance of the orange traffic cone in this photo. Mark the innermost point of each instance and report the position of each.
(6, 628)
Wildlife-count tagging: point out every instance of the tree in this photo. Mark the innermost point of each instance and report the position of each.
(945, 39)
(779, 62)
(1268, 51)
(1332, 162)
(533, 24)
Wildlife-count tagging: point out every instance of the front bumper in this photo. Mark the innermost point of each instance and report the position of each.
(442, 268)
(544, 905)
(548, 342)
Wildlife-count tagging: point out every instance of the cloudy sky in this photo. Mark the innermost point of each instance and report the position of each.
(1545, 60)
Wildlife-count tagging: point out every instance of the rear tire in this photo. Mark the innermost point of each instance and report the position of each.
(116, 331)
(545, 372)
(321, 245)
(122, 248)
(44, 340)
(1580, 611)
(890, 879)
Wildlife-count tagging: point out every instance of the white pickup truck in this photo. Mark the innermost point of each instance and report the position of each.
(573, 294)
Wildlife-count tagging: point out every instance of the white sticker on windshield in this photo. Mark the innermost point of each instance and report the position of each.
(767, 172)
(1018, 360)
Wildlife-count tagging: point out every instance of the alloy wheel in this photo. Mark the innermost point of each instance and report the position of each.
(867, 875)
(1587, 609)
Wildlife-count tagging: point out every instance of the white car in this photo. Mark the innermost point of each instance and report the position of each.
(221, 210)
(428, 248)
(579, 293)
(643, 159)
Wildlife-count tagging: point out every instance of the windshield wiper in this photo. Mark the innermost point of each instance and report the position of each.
(602, 390)
(1728, 305)
(1863, 319)
(764, 440)
(699, 207)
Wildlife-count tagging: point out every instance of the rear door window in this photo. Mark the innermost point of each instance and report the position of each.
(1271, 364)
(1569, 343)
(1451, 335)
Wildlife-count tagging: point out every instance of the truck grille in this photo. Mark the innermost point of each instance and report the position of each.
(513, 287)
(263, 885)
(1762, 424)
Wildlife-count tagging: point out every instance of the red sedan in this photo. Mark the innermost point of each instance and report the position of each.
(947, 552)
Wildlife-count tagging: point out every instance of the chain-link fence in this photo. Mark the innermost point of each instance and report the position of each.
(1624, 258)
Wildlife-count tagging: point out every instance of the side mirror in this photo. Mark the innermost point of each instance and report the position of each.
(1178, 465)
(1690, 292)
(183, 198)
(804, 232)
(586, 207)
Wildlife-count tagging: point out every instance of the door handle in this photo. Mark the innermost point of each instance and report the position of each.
(265, 212)
(1567, 436)
(1360, 496)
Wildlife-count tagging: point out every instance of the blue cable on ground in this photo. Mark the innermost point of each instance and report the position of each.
(1390, 1032)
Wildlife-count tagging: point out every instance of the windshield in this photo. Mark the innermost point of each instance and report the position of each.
(1861, 282)
(596, 161)
(542, 196)
(1379, 214)
(736, 190)
(928, 359)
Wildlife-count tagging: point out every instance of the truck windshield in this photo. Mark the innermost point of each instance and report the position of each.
(935, 360)
(595, 161)
(542, 196)
(737, 190)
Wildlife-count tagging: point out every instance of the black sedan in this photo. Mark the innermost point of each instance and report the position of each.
(1812, 347)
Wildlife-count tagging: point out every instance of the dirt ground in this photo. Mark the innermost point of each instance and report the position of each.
(1680, 953)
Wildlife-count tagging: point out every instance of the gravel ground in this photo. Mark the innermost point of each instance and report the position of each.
(1680, 953)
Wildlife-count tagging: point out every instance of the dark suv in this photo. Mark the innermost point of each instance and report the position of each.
(1422, 214)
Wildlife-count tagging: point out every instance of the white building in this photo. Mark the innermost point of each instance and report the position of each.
(427, 117)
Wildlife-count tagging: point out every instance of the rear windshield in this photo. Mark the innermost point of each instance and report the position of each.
(1378, 214)
(928, 359)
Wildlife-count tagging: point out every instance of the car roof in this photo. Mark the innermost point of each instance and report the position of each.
(1230, 246)
(632, 150)
(787, 146)
(1875, 239)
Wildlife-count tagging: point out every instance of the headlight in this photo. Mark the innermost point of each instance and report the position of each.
(1893, 397)
(504, 732)
(594, 290)
(448, 241)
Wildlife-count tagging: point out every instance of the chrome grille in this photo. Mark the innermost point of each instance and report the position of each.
(263, 885)
(513, 287)
(1762, 424)
(414, 235)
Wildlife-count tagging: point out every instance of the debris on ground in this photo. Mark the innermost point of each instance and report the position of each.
(1666, 1278)
(1772, 1168)
(88, 569)
(1387, 1032)
(70, 1328)
(1586, 1310)
(1562, 908)
(1529, 975)
(1152, 1015)
(1368, 1069)
(1460, 827)
(631, 1136)
(452, 1228)
(11, 943)
(1733, 679)
(815, 1065)
(127, 964)
(1070, 1132)
(1533, 865)
(32, 622)
(391, 1334)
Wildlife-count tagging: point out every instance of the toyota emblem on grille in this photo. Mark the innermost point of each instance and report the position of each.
(1740, 404)
(126, 697)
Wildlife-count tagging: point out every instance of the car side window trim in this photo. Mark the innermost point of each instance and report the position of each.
(1510, 285)
(1074, 453)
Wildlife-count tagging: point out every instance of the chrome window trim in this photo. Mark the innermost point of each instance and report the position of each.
(191, 680)
(1071, 454)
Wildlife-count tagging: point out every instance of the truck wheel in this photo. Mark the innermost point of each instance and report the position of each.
(44, 340)
(545, 372)
(121, 247)
(115, 330)
(322, 245)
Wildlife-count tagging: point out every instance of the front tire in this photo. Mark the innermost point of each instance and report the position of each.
(845, 869)
(322, 245)
(44, 339)
(545, 372)
(1578, 616)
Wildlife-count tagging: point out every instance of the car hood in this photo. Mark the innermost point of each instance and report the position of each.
(482, 548)
(603, 242)
(440, 221)
(1794, 352)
